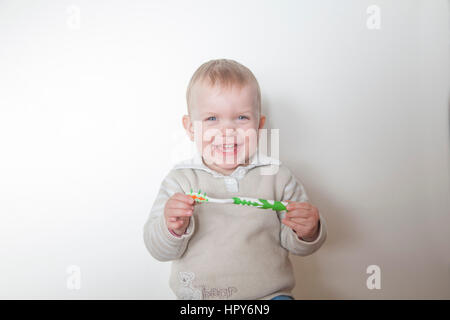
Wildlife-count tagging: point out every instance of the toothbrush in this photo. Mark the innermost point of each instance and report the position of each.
(258, 203)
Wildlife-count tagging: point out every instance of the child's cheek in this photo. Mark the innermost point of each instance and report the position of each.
(207, 135)
(250, 136)
(206, 143)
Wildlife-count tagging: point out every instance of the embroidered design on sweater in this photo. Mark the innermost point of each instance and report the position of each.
(187, 291)
(218, 293)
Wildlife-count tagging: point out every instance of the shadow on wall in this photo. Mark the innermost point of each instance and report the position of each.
(310, 281)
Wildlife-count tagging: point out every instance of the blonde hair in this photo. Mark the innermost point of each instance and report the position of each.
(226, 73)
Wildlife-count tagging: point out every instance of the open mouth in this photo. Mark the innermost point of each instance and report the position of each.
(231, 148)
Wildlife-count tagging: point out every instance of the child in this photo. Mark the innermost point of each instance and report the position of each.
(227, 251)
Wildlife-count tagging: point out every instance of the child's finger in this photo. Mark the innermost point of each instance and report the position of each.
(298, 213)
(175, 220)
(178, 219)
(177, 204)
(179, 224)
(298, 205)
(175, 225)
(300, 222)
(297, 222)
(179, 213)
(288, 223)
(183, 197)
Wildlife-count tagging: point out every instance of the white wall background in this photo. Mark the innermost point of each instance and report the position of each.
(90, 122)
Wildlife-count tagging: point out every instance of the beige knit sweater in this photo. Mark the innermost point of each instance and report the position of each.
(230, 251)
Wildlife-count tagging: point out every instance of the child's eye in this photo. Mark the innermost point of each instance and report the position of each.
(212, 118)
(243, 118)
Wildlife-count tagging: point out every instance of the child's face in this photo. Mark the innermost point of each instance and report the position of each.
(230, 120)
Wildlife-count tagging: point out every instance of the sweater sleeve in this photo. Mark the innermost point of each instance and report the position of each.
(159, 241)
(295, 191)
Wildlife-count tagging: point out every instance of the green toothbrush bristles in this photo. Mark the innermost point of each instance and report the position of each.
(260, 203)
(197, 196)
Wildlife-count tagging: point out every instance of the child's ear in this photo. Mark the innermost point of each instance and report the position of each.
(187, 124)
(262, 121)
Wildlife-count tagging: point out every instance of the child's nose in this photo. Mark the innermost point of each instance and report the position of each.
(228, 128)
(229, 134)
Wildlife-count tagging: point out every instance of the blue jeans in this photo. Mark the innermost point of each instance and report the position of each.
(282, 297)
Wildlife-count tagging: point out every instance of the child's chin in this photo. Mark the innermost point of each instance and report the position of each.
(227, 165)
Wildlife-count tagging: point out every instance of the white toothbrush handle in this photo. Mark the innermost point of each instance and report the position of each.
(220, 200)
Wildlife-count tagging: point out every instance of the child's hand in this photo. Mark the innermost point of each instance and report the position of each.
(177, 212)
(303, 218)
